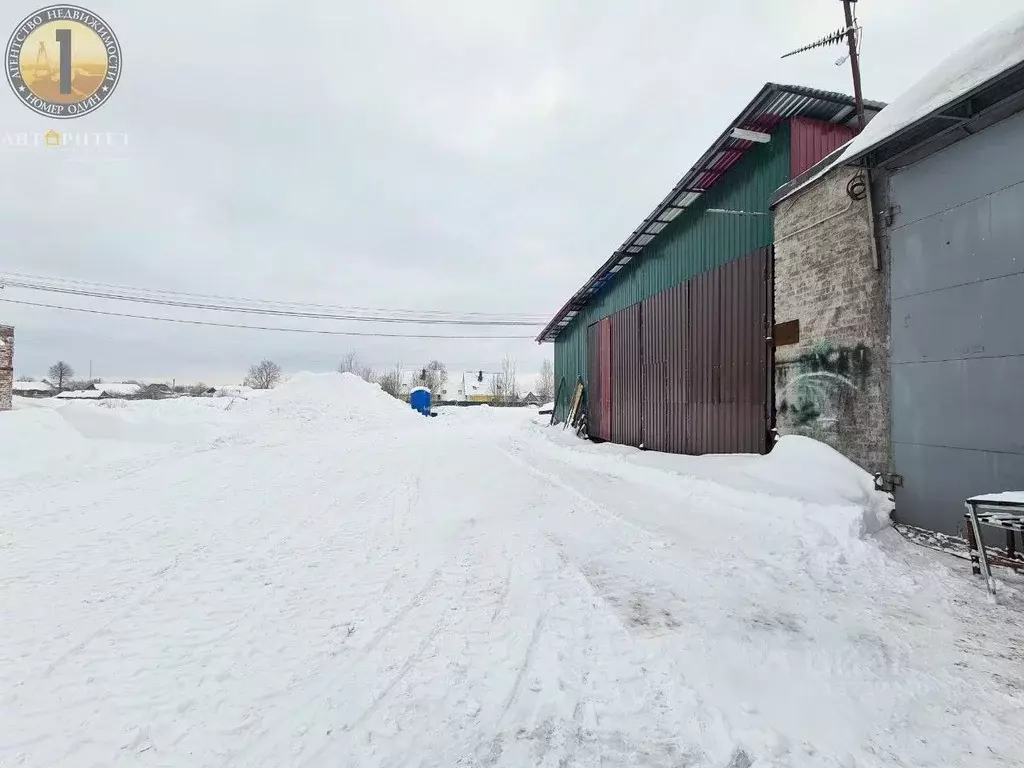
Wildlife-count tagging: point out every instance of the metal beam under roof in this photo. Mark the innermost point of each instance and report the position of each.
(773, 104)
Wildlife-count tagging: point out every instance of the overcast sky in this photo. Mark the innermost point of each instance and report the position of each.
(456, 155)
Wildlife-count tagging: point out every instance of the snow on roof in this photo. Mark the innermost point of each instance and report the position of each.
(118, 388)
(80, 394)
(984, 59)
(31, 386)
(419, 389)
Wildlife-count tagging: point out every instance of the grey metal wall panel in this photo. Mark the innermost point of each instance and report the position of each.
(957, 254)
(989, 161)
(964, 404)
(933, 249)
(983, 319)
(941, 478)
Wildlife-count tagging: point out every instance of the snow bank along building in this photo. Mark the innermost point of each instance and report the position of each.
(903, 301)
(672, 335)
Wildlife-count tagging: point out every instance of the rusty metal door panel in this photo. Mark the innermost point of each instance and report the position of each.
(594, 422)
(727, 405)
(678, 365)
(663, 349)
(654, 375)
(606, 375)
(599, 375)
(627, 412)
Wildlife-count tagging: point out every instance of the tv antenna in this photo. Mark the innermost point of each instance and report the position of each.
(850, 32)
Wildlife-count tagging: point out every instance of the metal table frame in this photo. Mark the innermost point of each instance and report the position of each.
(1003, 515)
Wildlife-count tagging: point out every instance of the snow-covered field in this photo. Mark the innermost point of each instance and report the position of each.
(319, 577)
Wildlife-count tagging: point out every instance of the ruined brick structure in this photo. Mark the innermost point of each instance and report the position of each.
(6, 366)
(832, 371)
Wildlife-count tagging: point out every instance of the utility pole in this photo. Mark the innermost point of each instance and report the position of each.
(851, 39)
(849, 32)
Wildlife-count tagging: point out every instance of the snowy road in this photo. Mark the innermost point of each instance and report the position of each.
(321, 582)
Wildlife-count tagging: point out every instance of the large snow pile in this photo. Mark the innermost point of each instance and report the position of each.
(32, 437)
(325, 401)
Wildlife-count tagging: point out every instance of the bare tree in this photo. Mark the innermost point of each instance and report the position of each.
(264, 375)
(505, 385)
(546, 382)
(391, 381)
(25, 378)
(434, 377)
(351, 363)
(60, 374)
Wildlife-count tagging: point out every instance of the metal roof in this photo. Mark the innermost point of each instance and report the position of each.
(773, 104)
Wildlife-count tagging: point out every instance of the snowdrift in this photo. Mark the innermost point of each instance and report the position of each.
(815, 488)
(326, 401)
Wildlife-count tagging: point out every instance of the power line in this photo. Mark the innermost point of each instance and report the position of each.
(117, 292)
(256, 327)
(260, 311)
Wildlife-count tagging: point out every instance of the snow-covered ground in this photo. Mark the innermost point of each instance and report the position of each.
(320, 577)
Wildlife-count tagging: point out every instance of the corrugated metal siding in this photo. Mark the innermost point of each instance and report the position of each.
(595, 393)
(727, 384)
(627, 398)
(663, 345)
(697, 242)
(812, 140)
(627, 414)
(570, 365)
(605, 353)
(690, 366)
(692, 244)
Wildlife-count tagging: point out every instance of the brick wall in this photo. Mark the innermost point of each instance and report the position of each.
(6, 366)
(832, 384)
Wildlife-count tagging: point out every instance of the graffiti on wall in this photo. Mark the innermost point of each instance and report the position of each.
(815, 392)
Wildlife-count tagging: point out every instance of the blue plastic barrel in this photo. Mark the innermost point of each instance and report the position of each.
(419, 399)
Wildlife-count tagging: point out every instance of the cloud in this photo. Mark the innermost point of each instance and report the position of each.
(447, 155)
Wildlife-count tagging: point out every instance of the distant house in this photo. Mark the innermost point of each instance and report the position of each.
(80, 394)
(530, 399)
(33, 389)
(114, 390)
(117, 389)
(478, 386)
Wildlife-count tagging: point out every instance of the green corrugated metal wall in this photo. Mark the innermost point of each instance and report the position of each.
(694, 243)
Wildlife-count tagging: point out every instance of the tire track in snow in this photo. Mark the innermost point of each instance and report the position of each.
(264, 744)
(517, 686)
(594, 506)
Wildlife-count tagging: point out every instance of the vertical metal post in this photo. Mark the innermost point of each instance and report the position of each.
(851, 39)
(985, 567)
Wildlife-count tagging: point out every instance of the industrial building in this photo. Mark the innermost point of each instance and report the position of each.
(908, 300)
(672, 335)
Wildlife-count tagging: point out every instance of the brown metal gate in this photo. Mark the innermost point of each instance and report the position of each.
(690, 368)
(627, 419)
(728, 363)
(599, 394)
(664, 370)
